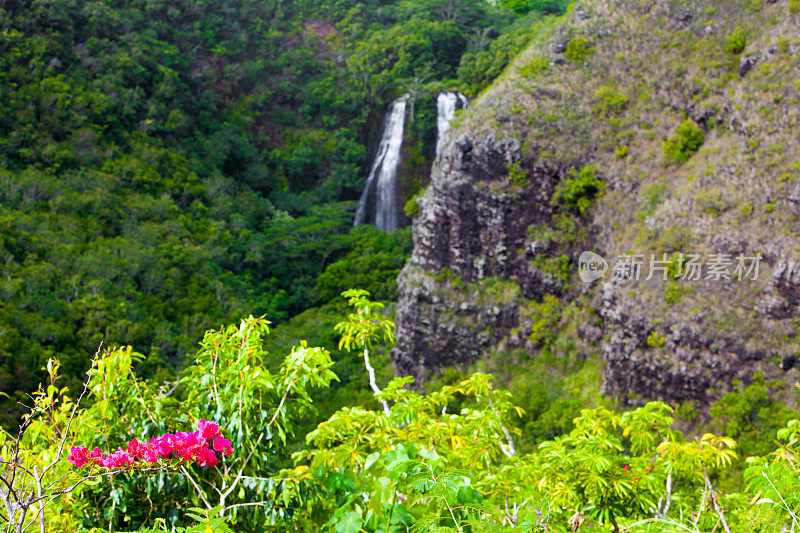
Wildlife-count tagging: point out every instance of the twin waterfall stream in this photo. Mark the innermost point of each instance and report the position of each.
(378, 203)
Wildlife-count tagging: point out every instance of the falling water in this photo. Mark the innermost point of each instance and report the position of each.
(380, 189)
(446, 104)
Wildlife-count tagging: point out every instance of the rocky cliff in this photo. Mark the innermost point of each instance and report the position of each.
(662, 128)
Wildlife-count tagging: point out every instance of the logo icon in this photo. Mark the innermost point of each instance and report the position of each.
(591, 267)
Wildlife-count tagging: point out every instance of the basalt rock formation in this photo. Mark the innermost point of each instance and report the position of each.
(687, 115)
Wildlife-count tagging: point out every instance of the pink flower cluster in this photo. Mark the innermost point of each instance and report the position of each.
(188, 446)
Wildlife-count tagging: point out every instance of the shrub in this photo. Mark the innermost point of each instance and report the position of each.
(577, 193)
(374, 262)
(610, 100)
(750, 412)
(517, 175)
(656, 339)
(544, 317)
(549, 7)
(711, 202)
(674, 293)
(536, 66)
(411, 207)
(519, 7)
(546, 7)
(736, 41)
(578, 49)
(689, 137)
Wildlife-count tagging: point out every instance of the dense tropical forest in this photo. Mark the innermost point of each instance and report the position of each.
(195, 337)
(168, 167)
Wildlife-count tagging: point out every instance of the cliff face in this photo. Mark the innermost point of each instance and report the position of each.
(471, 233)
(687, 113)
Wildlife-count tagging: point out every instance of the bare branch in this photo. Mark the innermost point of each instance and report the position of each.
(511, 450)
(74, 410)
(250, 504)
(196, 487)
(40, 513)
(241, 470)
(94, 476)
(373, 384)
(714, 502)
(10, 488)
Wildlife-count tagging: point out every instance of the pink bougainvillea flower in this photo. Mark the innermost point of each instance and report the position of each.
(207, 457)
(96, 456)
(151, 454)
(118, 459)
(164, 445)
(136, 449)
(188, 445)
(208, 430)
(79, 456)
(185, 445)
(223, 445)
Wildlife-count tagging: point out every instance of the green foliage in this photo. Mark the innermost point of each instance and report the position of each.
(736, 42)
(559, 267)
(591, 471)
(577, 192)
(750, 412)
(441, 461)
(411, 207)
(610, 100)
(168, 167)
(486, 59)
(256, 408)
(429, 471)
(373, 262)
(517, 175)
(674, 292)
(482, 64)
(612, 468)
(656, 339)
(447, 274)
(775, 479)
(688, 139)
(546, 7)
(207, 520)
(562, 377)
(365, 325)
(544, 317)
(316, 326)
(536, 66)
(578, 50)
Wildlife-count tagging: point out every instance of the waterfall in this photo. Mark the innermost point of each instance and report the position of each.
(446, 104)
(378, 203)
(380, 189)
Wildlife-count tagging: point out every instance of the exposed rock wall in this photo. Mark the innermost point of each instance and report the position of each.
(475, 232)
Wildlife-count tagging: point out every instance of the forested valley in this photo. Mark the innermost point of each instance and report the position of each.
(169, 167)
